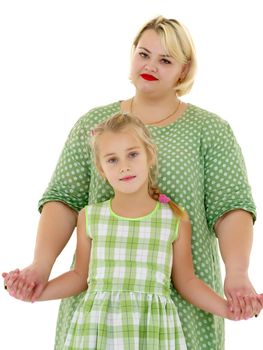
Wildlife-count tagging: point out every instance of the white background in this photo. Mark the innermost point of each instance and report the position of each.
(58, 59)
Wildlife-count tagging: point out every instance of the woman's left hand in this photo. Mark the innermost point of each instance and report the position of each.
(241, 296)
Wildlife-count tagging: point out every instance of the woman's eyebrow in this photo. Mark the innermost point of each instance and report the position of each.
(144, 48)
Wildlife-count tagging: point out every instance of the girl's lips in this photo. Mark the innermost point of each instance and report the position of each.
(148, 77)
(127, 178)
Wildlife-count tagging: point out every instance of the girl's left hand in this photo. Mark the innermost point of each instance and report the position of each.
(242, 298)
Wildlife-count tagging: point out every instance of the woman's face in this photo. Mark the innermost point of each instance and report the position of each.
(152, 69)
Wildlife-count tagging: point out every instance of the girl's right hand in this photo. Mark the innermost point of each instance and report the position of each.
(26, 284)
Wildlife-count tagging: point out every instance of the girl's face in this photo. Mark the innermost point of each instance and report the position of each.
(123, 162)
(152, 70)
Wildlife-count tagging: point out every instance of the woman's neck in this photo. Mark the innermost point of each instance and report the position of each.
(154, 105)
(152, 109)
(132, 205)
(155, 99)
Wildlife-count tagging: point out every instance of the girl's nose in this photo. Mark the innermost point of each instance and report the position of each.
(124, 169)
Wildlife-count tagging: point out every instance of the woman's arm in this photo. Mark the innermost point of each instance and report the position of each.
(235, 236)
(58, 220)
(56, 225)
(187, 284)
(75, 281)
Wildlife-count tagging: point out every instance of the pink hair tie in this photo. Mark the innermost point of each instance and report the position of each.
(164, 199)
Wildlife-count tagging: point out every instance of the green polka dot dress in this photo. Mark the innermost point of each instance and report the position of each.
(128, 303)
(200, 167)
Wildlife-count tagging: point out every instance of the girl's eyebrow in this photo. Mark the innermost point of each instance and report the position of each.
(109, 155)
(127, 150)
(132, 148)
(144, 48)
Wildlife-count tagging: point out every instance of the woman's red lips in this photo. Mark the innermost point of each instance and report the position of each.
(148, 77)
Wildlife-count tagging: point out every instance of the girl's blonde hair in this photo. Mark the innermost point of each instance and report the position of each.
(121, 122)
(178, 43)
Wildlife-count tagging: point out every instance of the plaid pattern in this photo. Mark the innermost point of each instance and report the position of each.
(128, 303)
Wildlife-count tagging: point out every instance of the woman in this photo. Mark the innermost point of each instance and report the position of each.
(200, 167)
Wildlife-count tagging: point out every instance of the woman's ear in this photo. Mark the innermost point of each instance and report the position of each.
(185, 70)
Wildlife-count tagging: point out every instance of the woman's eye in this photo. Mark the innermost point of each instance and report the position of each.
(165, 61)
(143, 54)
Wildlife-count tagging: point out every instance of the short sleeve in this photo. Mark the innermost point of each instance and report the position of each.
(71, 178)
(226, 185)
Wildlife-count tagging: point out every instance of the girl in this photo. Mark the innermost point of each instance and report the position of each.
(128, 250)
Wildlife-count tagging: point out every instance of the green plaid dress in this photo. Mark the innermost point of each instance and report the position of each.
(128, 303)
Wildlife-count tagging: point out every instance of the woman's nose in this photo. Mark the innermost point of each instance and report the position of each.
(151, 67)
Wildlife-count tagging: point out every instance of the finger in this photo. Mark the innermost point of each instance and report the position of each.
(243, 306)
(21, 286)
(7, 276)
(12, 276)
(37, 292)
(20, 283)
(10, 279)
(260, 301)
(29, 296)
(256, 305)
(28, 291)
(230, 301)
(4, 274)
(249, 307)
(235, 305)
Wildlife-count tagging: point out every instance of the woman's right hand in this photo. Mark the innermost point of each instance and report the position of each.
(26, 284)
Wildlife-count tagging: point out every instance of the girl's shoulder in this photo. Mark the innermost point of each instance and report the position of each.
(102, 207)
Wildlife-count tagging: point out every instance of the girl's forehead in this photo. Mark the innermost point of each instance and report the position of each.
(117, 135)
(118, 138)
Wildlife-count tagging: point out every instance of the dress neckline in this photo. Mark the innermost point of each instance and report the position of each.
(182, 116)
(133, 219)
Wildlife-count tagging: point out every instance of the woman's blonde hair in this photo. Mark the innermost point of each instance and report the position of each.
(178, 43)
(121, 122)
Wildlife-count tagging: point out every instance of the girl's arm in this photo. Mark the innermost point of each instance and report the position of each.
(75, 281)
(192, 289)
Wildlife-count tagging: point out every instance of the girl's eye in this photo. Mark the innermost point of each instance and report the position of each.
(133, 154)
(112, 160)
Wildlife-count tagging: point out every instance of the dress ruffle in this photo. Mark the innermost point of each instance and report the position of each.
(125, 320)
